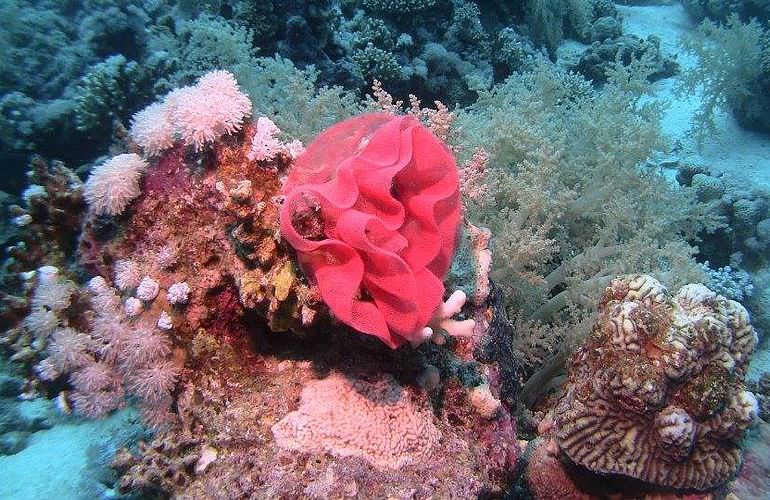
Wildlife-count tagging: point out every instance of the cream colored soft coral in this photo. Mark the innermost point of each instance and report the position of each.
(114, 184)
(197, 115)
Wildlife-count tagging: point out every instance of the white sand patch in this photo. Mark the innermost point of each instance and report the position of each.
(52, 465)
(741, 153)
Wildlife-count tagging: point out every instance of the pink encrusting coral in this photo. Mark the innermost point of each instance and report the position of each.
(376, 421)
(381, 193)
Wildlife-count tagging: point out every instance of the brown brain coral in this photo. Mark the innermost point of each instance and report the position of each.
(376, 421)
(656, 392)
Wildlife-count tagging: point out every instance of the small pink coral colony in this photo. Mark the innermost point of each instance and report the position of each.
(373, 210)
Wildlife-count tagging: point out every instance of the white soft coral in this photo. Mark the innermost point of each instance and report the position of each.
(197, 115)
(114, 184)
(265, 144)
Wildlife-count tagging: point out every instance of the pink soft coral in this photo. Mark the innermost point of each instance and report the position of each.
(387, 193)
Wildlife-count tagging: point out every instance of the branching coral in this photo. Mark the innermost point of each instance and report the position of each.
(570, 200)
(656, 392)
(732, 72)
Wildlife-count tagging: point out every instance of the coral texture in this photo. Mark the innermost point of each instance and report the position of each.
(351, 417)
(265, 145)
(373, 209)
(656, 392)
(178, 293)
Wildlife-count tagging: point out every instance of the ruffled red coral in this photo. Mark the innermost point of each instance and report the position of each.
(386, 191)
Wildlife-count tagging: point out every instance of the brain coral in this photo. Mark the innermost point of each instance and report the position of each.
(656, 392)
(376, 421)
(373, 209)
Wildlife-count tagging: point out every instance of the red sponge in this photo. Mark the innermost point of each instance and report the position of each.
(385, 193)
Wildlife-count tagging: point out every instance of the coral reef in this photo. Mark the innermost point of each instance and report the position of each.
(546, 477)
(752, 481)
(330, 322)
(604, 54)
(733, 72)
(742, 239)
(720, 10)
(571, 209)
(200, 316)
(74, 73)
(49, 219)
(656, 392)
(255, 421)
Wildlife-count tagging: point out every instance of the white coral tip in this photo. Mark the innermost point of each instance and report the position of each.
(453, 305)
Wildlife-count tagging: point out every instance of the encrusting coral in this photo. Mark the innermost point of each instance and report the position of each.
(656, 392)
(374, 420)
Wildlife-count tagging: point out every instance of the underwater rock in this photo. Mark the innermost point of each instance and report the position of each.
(753, 481)
(194, 286)
(329, 414)
(545, 475)
(600, 57)
(196, 223)
(657, 391)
